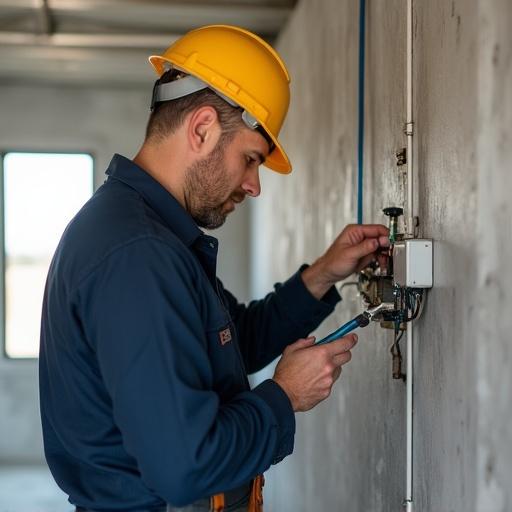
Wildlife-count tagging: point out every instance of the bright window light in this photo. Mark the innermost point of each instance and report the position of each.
(42, 192)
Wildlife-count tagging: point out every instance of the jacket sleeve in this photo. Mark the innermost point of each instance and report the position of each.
(143, 316)
(265, 327)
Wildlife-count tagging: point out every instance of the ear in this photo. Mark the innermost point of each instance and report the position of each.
(203, 130)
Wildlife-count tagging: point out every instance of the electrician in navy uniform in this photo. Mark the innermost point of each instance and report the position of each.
(144, 358)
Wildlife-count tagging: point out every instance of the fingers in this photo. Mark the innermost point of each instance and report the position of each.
(355, 233)
(370, 230)
(366, 261)
(341, 359)
(364, 240)
(365, 248)
(380, 257)
(384, 241)
(342, 345)
(300, 344)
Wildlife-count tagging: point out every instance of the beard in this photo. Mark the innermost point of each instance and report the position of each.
(207, 190)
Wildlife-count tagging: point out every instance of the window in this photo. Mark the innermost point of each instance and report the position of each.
(41, 194)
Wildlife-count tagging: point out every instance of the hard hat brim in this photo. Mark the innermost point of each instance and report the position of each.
(278, 160)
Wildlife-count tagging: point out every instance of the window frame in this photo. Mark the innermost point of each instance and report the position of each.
(3, 313)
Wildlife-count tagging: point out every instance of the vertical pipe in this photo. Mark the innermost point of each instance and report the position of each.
(360, 129)
(408, 502)
(409, 418)
(2, 259)
(409, 126)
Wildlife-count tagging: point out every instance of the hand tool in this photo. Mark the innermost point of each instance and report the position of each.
(361, 320)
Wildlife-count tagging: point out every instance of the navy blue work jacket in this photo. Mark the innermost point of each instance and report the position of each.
(144, 356)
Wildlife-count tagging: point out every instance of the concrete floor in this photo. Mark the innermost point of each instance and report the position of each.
(30, 489)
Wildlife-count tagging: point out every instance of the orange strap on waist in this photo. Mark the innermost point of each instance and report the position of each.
(256, 499)
(217, 503)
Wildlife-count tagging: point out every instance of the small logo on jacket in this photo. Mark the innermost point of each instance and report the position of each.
(225, 336)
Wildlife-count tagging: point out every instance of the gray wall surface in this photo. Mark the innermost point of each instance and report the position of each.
(100, 121)
(350, 450)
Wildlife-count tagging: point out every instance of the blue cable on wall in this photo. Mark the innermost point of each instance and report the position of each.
(360, 131)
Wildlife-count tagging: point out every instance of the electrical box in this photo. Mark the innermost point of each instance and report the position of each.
(412, 263)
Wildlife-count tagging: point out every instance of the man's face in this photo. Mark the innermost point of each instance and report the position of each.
(215, 184)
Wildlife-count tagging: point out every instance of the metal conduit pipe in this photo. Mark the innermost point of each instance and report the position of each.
(410, 228)
(409, 125)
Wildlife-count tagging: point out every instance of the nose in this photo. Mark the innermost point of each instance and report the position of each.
(251, 184)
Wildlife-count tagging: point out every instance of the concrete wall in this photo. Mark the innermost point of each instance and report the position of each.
(350, 451)
(100, 121)
(494, 279)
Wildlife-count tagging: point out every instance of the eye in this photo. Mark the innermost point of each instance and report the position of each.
(250, 160)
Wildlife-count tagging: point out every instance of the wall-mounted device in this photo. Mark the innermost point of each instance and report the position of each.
(412, 261)
(401, 285)
(393, 295)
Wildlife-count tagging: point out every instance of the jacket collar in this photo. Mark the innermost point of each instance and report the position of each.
(164, 203)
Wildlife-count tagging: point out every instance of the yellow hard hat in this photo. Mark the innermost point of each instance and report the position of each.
(241, 68)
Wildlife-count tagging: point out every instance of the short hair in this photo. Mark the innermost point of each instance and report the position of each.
(168, 116)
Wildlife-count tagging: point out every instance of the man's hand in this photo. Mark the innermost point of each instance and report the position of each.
(353, 250)
(307, 373)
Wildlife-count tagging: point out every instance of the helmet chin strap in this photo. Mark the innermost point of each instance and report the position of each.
(189, 85)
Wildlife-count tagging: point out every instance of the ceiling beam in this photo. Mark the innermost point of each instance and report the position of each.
(265, 18)
(157, 41)
(35, 64)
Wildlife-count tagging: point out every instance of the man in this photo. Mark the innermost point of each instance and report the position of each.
(144, 357)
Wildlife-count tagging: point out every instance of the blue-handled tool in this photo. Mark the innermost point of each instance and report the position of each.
(361, 320)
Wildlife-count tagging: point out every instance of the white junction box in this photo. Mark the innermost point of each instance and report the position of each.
(412, 263)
